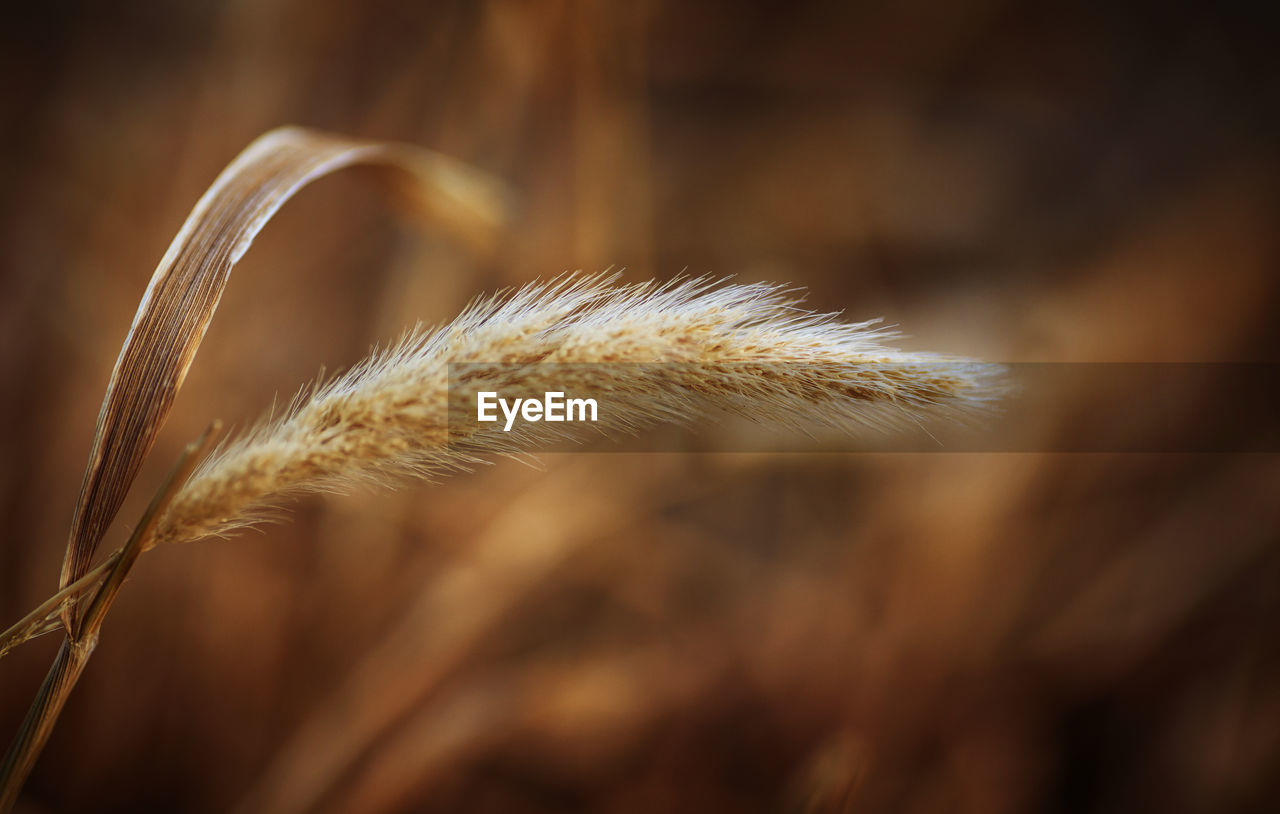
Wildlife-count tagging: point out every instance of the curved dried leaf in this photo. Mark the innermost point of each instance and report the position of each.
(187, 285)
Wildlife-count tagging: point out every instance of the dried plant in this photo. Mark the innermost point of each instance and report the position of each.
(188, 283)
(661, 353)
(166, 332)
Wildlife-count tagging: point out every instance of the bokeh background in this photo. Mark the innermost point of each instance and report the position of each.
(1080, 182)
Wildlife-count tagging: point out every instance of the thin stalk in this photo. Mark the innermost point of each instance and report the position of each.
(78, 646)
(43, 619)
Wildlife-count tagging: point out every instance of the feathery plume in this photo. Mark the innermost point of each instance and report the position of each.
(669, 352)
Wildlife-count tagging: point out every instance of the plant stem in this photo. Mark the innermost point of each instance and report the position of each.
(38, 725)
(79, 644)
(41, 620)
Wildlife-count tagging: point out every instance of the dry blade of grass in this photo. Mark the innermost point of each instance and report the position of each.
(188, 283)
(661, 353)
(161, 344)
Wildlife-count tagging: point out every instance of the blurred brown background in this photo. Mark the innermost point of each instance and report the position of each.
(658, 632)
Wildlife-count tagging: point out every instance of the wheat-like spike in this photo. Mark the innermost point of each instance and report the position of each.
(665, 352)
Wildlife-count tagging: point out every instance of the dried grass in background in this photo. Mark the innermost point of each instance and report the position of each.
(650, 632)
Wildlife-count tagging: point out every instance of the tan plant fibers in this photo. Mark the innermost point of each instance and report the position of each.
(188, 283)
(166, 332)
(661, 352)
